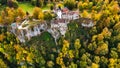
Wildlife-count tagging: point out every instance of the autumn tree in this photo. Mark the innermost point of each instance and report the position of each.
(85, 14)
(94, 65)
(102, 49)
(112, 63)
(1, 20)
(8, 16)
(20, 13)
(100, 37)
(38, 14)
(2, 37)
(41, 16)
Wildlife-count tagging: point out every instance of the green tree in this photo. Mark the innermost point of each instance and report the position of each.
(47, 16)
(72, 65)
(103, 62)
(113, 54)
(92, 46)
(83, 64)
(96, 59)
(118, 47)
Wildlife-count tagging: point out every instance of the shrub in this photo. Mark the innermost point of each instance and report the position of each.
(47, 16)
(70, 4)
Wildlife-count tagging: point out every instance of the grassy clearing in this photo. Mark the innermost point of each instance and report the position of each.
(45, 8)
(26, 6)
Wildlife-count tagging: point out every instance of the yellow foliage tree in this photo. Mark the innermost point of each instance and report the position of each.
(41, 16)
(102, 49)
(117, 18)
(30, 57)
(112, 63)
(100, 37)
(117, 26)
(2, 37)
(70, 54)
(77, 44)
(94, 37)
(20, 13)
(106, 32)
(107, 22)
(65, 47)
(10, 16)
(36, 12)
(85, 14)
(115, 8)
(1, 20)
(59, 60)
(94, 65)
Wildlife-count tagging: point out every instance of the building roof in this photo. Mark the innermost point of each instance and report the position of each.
(58, 21)
(65, 10)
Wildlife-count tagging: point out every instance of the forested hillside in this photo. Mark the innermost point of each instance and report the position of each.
(81, 47)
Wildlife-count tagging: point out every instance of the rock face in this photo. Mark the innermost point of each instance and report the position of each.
(86, 22)
(28, 31)
(60, 25)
